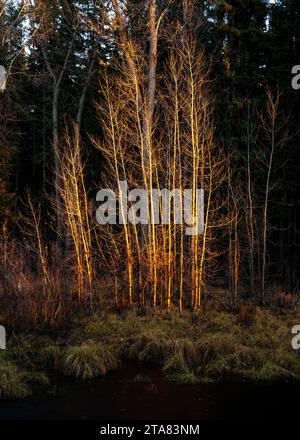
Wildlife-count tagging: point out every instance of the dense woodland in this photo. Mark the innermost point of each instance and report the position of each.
(162, 94)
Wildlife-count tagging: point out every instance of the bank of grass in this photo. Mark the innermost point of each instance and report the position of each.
(24, 365)
(215, 345)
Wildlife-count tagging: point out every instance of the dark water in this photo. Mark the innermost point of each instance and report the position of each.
(116, 397)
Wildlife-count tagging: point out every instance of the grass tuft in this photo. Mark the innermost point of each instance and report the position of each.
(32, 351)
(146, 347)
(181, 355)
(141, 378)
(12, 384)
(268, 372)
(186, 378)
(212, 346)
(36, 378)
(88, 360)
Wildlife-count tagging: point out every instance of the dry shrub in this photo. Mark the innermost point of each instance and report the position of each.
(246, 315)
(284, 300)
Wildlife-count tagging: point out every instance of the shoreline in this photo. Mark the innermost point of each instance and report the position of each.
(218, 345)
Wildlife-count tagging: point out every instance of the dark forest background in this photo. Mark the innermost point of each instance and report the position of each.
(250, 46)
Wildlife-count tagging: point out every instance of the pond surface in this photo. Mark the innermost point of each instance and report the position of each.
(116, 397)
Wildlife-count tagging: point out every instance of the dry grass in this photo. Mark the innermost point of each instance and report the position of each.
(88, 360)
(12, 383)
(186, 378)
(217, 345)
(214, 347)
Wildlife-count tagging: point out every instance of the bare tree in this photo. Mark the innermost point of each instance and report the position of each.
(275, 136)
(56, 88)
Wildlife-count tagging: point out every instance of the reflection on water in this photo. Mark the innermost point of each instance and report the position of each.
(117, 397)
